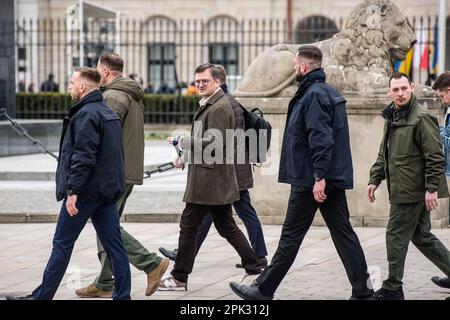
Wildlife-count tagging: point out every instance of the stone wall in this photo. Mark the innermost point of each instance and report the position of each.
(47, 132)
(366, 129)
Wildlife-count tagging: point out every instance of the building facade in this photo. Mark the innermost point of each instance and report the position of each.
(163, 40)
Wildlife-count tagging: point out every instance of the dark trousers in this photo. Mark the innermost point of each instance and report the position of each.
(247, 213)
(300, 213)
(410, 222)
(105, 218)
(138, 255)
(191, 219)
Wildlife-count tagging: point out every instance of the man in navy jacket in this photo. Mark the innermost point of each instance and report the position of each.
(90, 179)
(316, 161)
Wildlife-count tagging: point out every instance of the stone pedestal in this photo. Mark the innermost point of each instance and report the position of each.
(12, 143)
(270, 198)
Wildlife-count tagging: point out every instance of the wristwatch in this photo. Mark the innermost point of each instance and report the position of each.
(316, 177)
(71, 192)
(431, 189)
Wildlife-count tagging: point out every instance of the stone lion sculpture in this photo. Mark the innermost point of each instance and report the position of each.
(358, 60)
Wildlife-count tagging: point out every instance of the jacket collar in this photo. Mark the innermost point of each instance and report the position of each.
(388, 112)
(224, 88)
(94, 96)
(316, 75)
(212, 99)
(110, 84)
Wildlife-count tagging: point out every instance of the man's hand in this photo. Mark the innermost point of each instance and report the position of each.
(371, 192)
(431, 200)
(319, 191)
(174, 140)
(178, 163)
(70, 205)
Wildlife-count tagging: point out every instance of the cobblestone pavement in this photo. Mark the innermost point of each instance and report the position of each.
(317, 273)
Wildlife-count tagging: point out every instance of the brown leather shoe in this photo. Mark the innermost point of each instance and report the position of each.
(154, 277)
(92, 291)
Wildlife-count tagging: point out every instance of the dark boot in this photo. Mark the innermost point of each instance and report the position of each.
(384, 294)
(262, 262)
(171, 254)
(441, 282)
(250, 292)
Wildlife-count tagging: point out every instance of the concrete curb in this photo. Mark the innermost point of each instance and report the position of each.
(44, 175)
(53, 217)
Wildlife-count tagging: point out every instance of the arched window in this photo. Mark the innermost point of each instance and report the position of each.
(161, 32)
(314, 28)
(223, 46)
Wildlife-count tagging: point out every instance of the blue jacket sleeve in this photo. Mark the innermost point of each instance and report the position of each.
(319, 126)
(86, 133)
(445, 136)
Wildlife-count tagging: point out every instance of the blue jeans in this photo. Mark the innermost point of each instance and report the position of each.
(105, 218)
(247, 213)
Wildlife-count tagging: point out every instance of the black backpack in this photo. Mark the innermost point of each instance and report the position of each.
(263, 129)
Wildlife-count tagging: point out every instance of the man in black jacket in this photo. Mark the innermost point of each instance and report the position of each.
(316, 161)
(90, 179)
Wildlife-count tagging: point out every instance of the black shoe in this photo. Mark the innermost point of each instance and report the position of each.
(27, 297)
(262, 262)
(441, 282)
(171, 254)
(365, 297)
(384, 294)
(250, 292)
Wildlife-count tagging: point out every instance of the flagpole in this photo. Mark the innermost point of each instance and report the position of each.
(442, 35)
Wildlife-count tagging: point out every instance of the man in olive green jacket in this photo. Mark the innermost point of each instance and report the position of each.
(412, 162)
(124, 96)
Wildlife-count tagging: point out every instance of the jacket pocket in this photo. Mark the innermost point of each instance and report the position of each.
(410, 175)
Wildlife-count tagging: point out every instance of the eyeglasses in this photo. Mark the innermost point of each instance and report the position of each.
(200, 82)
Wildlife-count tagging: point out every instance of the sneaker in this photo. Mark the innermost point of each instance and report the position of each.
(384, 294)
(92, 291)
(154, 277)
(169, 283)
(262, 262)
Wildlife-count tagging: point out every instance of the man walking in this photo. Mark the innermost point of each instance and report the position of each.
(412, 162)
(316, 161)
(124, 96)
(89, 178)
(211, 182)
(243, 206)
(442, 87)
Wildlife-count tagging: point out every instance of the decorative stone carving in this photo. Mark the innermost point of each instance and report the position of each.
(358, 60)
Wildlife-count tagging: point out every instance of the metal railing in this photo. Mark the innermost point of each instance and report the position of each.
(165, 51)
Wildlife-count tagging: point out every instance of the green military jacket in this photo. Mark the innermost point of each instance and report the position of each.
(410, 158)
(124, 96)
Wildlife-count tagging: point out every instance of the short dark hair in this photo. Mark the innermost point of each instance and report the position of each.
(312, 53)
(89, 74)
(211, 67)
(399, 75)
(222, 73)
(112, 60)
(442, 82)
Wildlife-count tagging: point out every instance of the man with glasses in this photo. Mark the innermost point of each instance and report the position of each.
(211, 183)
